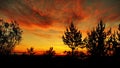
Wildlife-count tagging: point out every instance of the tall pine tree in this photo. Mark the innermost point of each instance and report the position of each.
(72, 37)
(96, 40)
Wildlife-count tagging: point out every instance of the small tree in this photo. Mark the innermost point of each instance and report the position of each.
(72, 37)
(10, 35)
(50, 52)
(30, 51)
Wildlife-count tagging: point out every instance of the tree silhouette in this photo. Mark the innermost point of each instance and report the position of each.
(96, 40)
(69, 53)
(111, 44)
(10, 35)
(30, 51)
(72, 37)
(117, 48)
(50, 52)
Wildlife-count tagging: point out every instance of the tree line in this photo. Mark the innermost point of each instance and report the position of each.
(99, 41)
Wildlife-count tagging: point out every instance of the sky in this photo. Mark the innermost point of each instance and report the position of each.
(44, 21)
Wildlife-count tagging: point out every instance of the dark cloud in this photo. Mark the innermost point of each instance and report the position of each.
(107, 9)
(22, 12)
(46, 13)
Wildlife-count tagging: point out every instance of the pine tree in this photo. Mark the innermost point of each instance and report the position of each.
(72, 37)
(96, 40)
(111, 44)
(117, 49)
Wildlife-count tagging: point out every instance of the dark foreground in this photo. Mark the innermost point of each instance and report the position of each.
(58, 61)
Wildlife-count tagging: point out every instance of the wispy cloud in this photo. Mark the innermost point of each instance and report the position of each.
(55, 15)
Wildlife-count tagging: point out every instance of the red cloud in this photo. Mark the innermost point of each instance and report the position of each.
(47, 14)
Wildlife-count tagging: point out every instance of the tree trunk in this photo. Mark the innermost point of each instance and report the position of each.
(73, 51)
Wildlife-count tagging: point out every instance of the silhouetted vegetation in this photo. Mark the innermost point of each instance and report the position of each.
(10, 35)
(103, 46)
(30, 51)
(50, 52)
(77, 54)
(72, 37)
(114, 43)
(96, 40)
(101, 42)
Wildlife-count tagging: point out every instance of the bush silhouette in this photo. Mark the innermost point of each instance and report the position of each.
(50, 52)
(30, 51)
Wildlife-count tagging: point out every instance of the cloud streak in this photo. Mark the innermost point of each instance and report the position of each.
(55, 15)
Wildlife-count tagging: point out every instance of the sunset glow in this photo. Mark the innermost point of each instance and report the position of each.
(44, 21)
